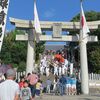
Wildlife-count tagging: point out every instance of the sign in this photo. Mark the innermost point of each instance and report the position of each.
(3, 16)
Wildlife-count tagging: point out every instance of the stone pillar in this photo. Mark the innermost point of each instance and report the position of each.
(30, 53)
(84, 68)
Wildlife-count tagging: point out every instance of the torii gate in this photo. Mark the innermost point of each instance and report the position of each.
(57, 28)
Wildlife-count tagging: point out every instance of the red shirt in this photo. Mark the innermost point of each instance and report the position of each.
(21, 84)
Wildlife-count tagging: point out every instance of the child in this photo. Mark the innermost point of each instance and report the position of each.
(21, 83)
(38, 88)
(73, 86)
(25, 92)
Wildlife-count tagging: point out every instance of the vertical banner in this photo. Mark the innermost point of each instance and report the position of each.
(3, 16)
(37, 26)
(83, 26)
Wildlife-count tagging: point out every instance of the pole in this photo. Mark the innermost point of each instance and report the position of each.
(30, 53)
(84, 68)
(83, 59)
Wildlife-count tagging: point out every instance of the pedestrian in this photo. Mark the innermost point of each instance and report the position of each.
(9, 89)
(38, 88)
(25, 93)
(33, 79)
(48, 83)
(62, 81)
(21, 83)
(68, 84)
(73, 85)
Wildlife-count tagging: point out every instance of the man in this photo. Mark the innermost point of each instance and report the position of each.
(33, 79)
(48, 83)
(9, 89)
(62, 81)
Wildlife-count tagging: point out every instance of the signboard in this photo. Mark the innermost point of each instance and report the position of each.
(3, 16)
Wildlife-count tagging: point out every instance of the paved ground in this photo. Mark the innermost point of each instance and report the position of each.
(80, 97)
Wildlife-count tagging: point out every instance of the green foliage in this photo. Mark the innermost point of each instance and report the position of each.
(93, 49)
(90, 16)
(15, 52)
(94, 60)
(39, 49)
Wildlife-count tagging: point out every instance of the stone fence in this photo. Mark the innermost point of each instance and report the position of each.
(92, 76)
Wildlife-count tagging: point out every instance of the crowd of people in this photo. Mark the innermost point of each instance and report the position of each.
(25, 89)
(57, 64)
(65, 80)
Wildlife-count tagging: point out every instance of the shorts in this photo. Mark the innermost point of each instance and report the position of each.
(37, 92)
(73, 86)
(68, 85)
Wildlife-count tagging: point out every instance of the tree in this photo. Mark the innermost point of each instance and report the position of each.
(15, 52)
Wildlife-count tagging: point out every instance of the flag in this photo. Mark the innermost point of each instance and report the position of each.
(83, 25)
(36, 20)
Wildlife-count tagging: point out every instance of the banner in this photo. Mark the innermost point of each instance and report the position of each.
(83, 26)
(3, 16)
(37, 23)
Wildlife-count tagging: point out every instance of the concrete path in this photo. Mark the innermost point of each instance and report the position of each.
(65, 97)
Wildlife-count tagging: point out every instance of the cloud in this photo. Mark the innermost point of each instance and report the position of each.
(49, 13)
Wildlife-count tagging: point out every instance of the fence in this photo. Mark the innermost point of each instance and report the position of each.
(19, 74)
(92, 76)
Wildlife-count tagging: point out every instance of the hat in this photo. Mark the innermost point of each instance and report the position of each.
(10, 72)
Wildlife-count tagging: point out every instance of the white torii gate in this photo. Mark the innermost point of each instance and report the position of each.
(57, 28)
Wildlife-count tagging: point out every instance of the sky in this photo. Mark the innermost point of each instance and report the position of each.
(49, 10)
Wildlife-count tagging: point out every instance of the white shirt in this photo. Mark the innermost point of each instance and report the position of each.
(8, 90)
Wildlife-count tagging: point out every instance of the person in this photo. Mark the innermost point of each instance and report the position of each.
(48, 83)
(68, 84)
(62, 81)
(59, 70)
(55, 83)
(9, 89)
(38, 88)
(56, 68)
(33, 79)
(25, 93)
(47, 71)
(73, 85)
(57, 88)
(21, 83)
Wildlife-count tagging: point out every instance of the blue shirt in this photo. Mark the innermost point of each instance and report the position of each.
(62, 80)
(73, 81)
(68, 80)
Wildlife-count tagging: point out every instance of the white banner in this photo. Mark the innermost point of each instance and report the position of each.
(3, 16)
(37, 26)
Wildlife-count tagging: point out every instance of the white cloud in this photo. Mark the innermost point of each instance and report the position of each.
(49, 13)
